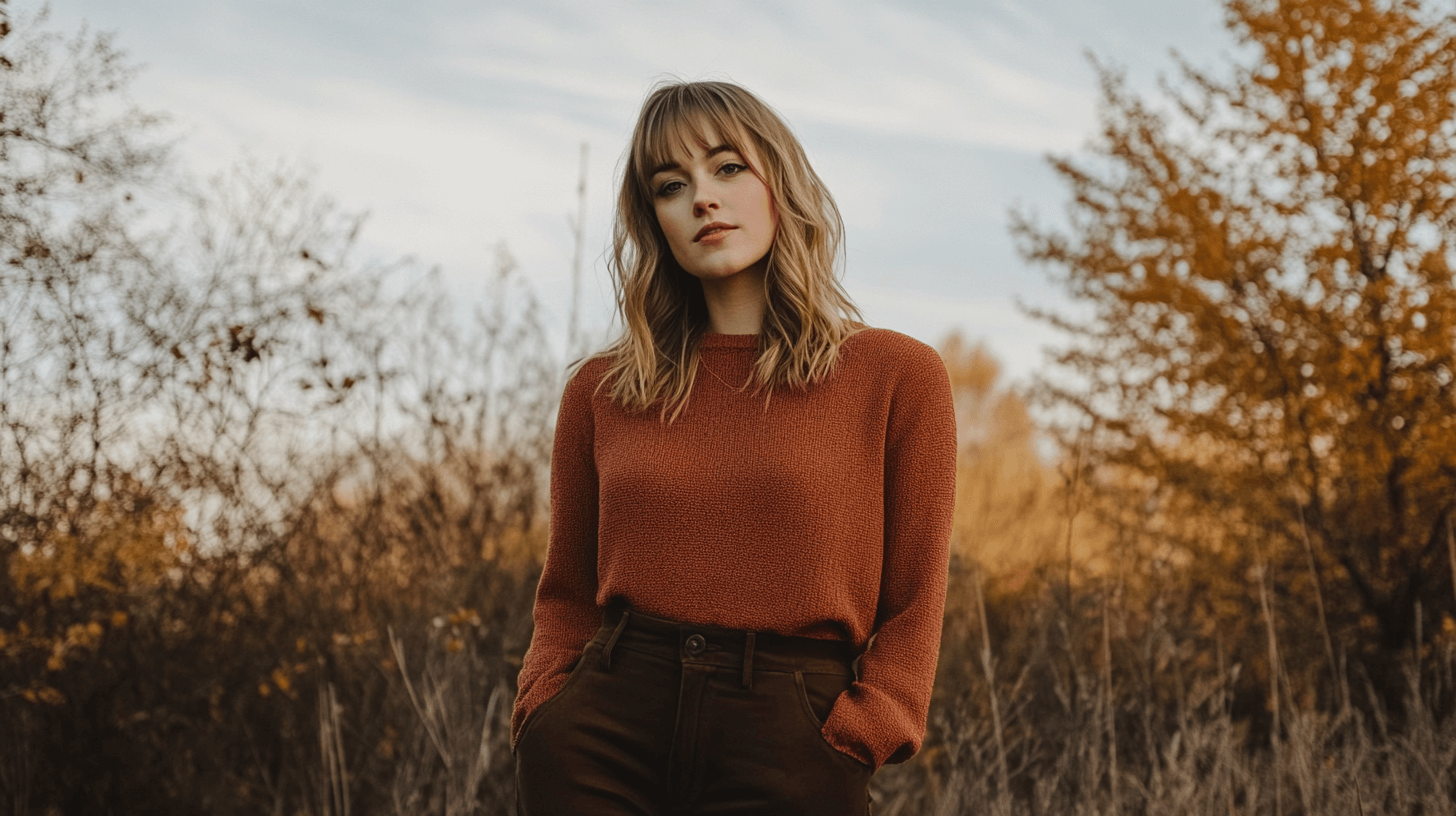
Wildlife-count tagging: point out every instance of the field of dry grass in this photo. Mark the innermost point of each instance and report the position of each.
(362, 659)
(272, 518)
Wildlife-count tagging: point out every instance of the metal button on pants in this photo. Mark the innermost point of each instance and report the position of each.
(662, 717)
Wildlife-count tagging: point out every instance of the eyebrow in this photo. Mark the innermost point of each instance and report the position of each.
(672, 165)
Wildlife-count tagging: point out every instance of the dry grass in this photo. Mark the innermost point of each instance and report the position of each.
(1184, 741)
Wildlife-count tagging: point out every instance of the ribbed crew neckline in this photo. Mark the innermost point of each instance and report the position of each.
(715, 340)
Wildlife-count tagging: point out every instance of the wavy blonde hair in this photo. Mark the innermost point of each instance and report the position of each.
(808, 313)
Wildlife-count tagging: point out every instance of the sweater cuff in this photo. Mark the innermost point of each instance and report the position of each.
(868, 725)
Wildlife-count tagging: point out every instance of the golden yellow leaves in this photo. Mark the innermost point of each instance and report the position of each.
(343, 639)
(462, 617)
(77, 638)
(43, 694)
(283, 678)
(77, 641)
(126, 543)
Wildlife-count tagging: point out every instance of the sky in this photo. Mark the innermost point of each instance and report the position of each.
(458, 126)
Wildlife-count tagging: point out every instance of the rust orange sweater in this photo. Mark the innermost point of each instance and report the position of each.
(829, 516)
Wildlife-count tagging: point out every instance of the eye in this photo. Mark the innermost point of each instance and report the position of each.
(732, 168)
(668, 188)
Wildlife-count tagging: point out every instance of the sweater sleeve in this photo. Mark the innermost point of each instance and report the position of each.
(565, 613)
(881, 717)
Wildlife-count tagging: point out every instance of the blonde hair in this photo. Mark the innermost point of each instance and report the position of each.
(808, 313)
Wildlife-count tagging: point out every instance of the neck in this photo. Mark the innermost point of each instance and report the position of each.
(736, 303)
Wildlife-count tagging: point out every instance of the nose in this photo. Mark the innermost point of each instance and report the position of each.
(706, 200)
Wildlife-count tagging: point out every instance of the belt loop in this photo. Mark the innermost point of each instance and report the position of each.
(612, 641)
(748, 661)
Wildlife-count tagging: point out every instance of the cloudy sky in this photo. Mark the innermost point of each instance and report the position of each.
(458, 125)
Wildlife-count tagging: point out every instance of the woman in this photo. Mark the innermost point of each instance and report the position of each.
(715, 577)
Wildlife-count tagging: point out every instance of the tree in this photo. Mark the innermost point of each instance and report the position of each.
(69, 166)
(1272, 340)
(234, 461)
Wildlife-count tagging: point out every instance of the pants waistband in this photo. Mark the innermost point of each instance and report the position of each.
(624, 627)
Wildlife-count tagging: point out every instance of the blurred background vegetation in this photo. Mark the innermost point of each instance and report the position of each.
(271, 517)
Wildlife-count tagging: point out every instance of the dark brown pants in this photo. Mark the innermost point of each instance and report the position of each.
(661, 717)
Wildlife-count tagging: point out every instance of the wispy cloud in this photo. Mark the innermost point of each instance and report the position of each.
(852, 64)
(457, 124)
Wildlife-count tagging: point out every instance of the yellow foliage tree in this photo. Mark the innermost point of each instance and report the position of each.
(1272, 344)
(1011, 514)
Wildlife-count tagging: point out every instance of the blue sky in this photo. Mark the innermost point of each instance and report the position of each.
(458, 125)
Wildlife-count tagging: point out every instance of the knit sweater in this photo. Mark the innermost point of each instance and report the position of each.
(828, 516)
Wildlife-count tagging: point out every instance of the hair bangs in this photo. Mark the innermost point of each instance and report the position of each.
(680, 117)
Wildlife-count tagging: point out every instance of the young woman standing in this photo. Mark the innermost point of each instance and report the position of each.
(741, 604)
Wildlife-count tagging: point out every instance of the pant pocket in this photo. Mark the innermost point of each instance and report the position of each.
(817, 693)
(580, 667)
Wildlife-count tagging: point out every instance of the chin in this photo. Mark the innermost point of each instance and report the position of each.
(718, 273)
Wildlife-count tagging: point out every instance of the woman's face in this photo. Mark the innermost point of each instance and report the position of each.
(717, 213)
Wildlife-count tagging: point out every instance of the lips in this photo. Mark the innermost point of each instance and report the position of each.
(716, 226)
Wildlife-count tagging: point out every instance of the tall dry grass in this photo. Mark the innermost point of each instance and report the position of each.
(1111, 709)
(349, 645)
